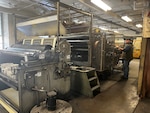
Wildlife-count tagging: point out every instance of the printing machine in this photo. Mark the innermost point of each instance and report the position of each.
(31, 69)
(94, 51)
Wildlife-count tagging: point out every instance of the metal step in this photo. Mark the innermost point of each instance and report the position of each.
(95, 87)
(92, 78)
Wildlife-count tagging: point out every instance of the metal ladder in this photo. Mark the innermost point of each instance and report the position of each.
(84, 81)
(93, 83)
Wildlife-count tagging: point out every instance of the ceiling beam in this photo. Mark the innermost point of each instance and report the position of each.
(127, 11)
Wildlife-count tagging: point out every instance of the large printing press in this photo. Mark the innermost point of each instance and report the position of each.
(31, 69)
(98, 52)
(36, 66)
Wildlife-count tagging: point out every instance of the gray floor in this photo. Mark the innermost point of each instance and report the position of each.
(143, 106)
(116, 96)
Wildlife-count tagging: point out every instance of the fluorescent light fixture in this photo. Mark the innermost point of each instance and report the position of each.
(102, 28)
(126, 18)
(79, 22)
(101, 4)
(139, 25)
(116, 31)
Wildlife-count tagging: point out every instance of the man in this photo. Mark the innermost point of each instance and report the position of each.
(127, 57)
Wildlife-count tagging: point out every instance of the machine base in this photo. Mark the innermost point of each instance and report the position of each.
(61, 107)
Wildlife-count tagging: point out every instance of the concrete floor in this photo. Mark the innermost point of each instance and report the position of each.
(143, 106)
(117, 96)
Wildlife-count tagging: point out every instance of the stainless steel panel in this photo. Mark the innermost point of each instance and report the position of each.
(41, 27)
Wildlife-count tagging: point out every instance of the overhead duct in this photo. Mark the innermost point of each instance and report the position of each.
(41, 26)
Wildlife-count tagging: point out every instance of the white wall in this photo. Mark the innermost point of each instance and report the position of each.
(20, 36)
(11, 29)
(5, 30)
(10, 32)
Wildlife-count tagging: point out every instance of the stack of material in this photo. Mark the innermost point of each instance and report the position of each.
(9, 69)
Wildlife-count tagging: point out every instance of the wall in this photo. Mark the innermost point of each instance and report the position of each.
(19, 35)
(10, 34)
(8, 27)
(11, 29)
(5, 30)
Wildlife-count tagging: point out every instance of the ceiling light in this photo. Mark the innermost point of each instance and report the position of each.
(126, 18)
(139, 25)
(79, 22)
(102, 28)
(116, 31)
(101, 4)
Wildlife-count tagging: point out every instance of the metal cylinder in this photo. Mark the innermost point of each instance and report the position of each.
(51, 101)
